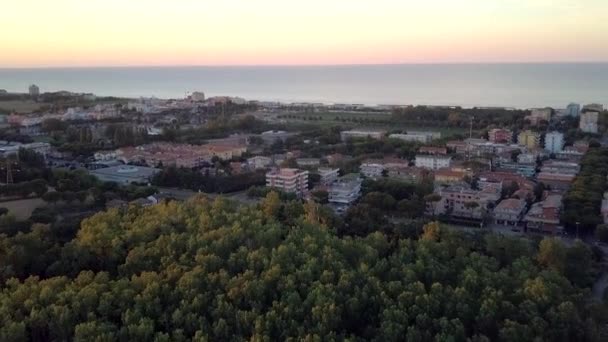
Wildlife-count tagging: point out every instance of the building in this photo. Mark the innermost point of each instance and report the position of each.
(346, 190)
(560, 167)
(288, 180)
(414, 136)
(125, 174)
(33, 90)
(573, 110)
(447, 176)
(361, 134)
(539, 114)
(500, 136)
(526, 158)
(259, 162)
(510, 212)
(556, 181)
(328, 175)
(410, 174)
(543, 216)
(593, 107)
(528, 139)
(524, 169)
(432, 162)
(433, 150)
(8, 148)
(372, 169)
(554, 142)
(460, 201)
(308, 162)
(588, 122)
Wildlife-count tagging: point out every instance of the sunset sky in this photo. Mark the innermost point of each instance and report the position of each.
(37, 33)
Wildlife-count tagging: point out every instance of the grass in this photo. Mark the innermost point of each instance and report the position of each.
(22, 209)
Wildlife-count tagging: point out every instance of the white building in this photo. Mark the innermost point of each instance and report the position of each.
(423, 137)
(345, 190)
(359, 134)
(588, 122)
(288, 180)
(259, 162)
(34, 90)
(328, 175)
(554, 142)
(433, 162)
(371, 169)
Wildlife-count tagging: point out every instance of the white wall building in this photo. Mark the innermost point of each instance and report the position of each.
(328, 175)
(433, 162)
(345, 190)
(423, 137)
(259, 162)
(358, 134)
(288, 180)
(554, 142)
(588, 122)
(371, 169)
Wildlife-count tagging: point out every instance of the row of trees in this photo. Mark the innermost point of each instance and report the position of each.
(212, 271)
(195, 180)
(35, 187)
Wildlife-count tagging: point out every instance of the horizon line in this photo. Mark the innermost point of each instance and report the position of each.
(119, 66)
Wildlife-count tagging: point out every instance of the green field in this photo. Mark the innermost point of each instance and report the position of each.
(366, 120)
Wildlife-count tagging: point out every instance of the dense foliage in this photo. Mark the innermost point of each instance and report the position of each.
(583, 201)
(459, 117)
(209, 271)
(196, 180)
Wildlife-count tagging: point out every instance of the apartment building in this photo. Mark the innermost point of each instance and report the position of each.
(288, 180)
(432, 162)
(413, 136)
(346, 190)
(328, 175)
(259, 162)
(510, 212)
(372, 168)
(588, 122)
(544, 216)
(528, 139)
(500, 136)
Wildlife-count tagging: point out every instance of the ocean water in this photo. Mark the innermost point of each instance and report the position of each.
(467, 85)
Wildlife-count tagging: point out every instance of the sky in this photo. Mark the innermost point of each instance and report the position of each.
(75, 33)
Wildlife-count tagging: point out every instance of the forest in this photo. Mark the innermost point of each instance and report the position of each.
(211, 270)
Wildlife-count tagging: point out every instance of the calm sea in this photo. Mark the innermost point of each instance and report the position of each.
(511, 85)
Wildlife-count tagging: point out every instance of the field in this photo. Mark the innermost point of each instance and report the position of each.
(22, 209)
(19, 106)
(365, 120)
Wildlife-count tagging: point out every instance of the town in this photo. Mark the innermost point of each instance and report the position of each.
(541, 171)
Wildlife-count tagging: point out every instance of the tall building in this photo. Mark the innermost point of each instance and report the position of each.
(34, 90)
(288, 180)
(197, 96)
(592, 107)
(499, 135)
(588, 122)
(573, 109)
(554, 142)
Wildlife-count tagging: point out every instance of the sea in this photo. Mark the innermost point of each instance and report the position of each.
(466, 85)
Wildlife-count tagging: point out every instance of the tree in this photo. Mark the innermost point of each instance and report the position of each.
(551, 254)
(271, 205)
(601, 233)
(431, 231)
